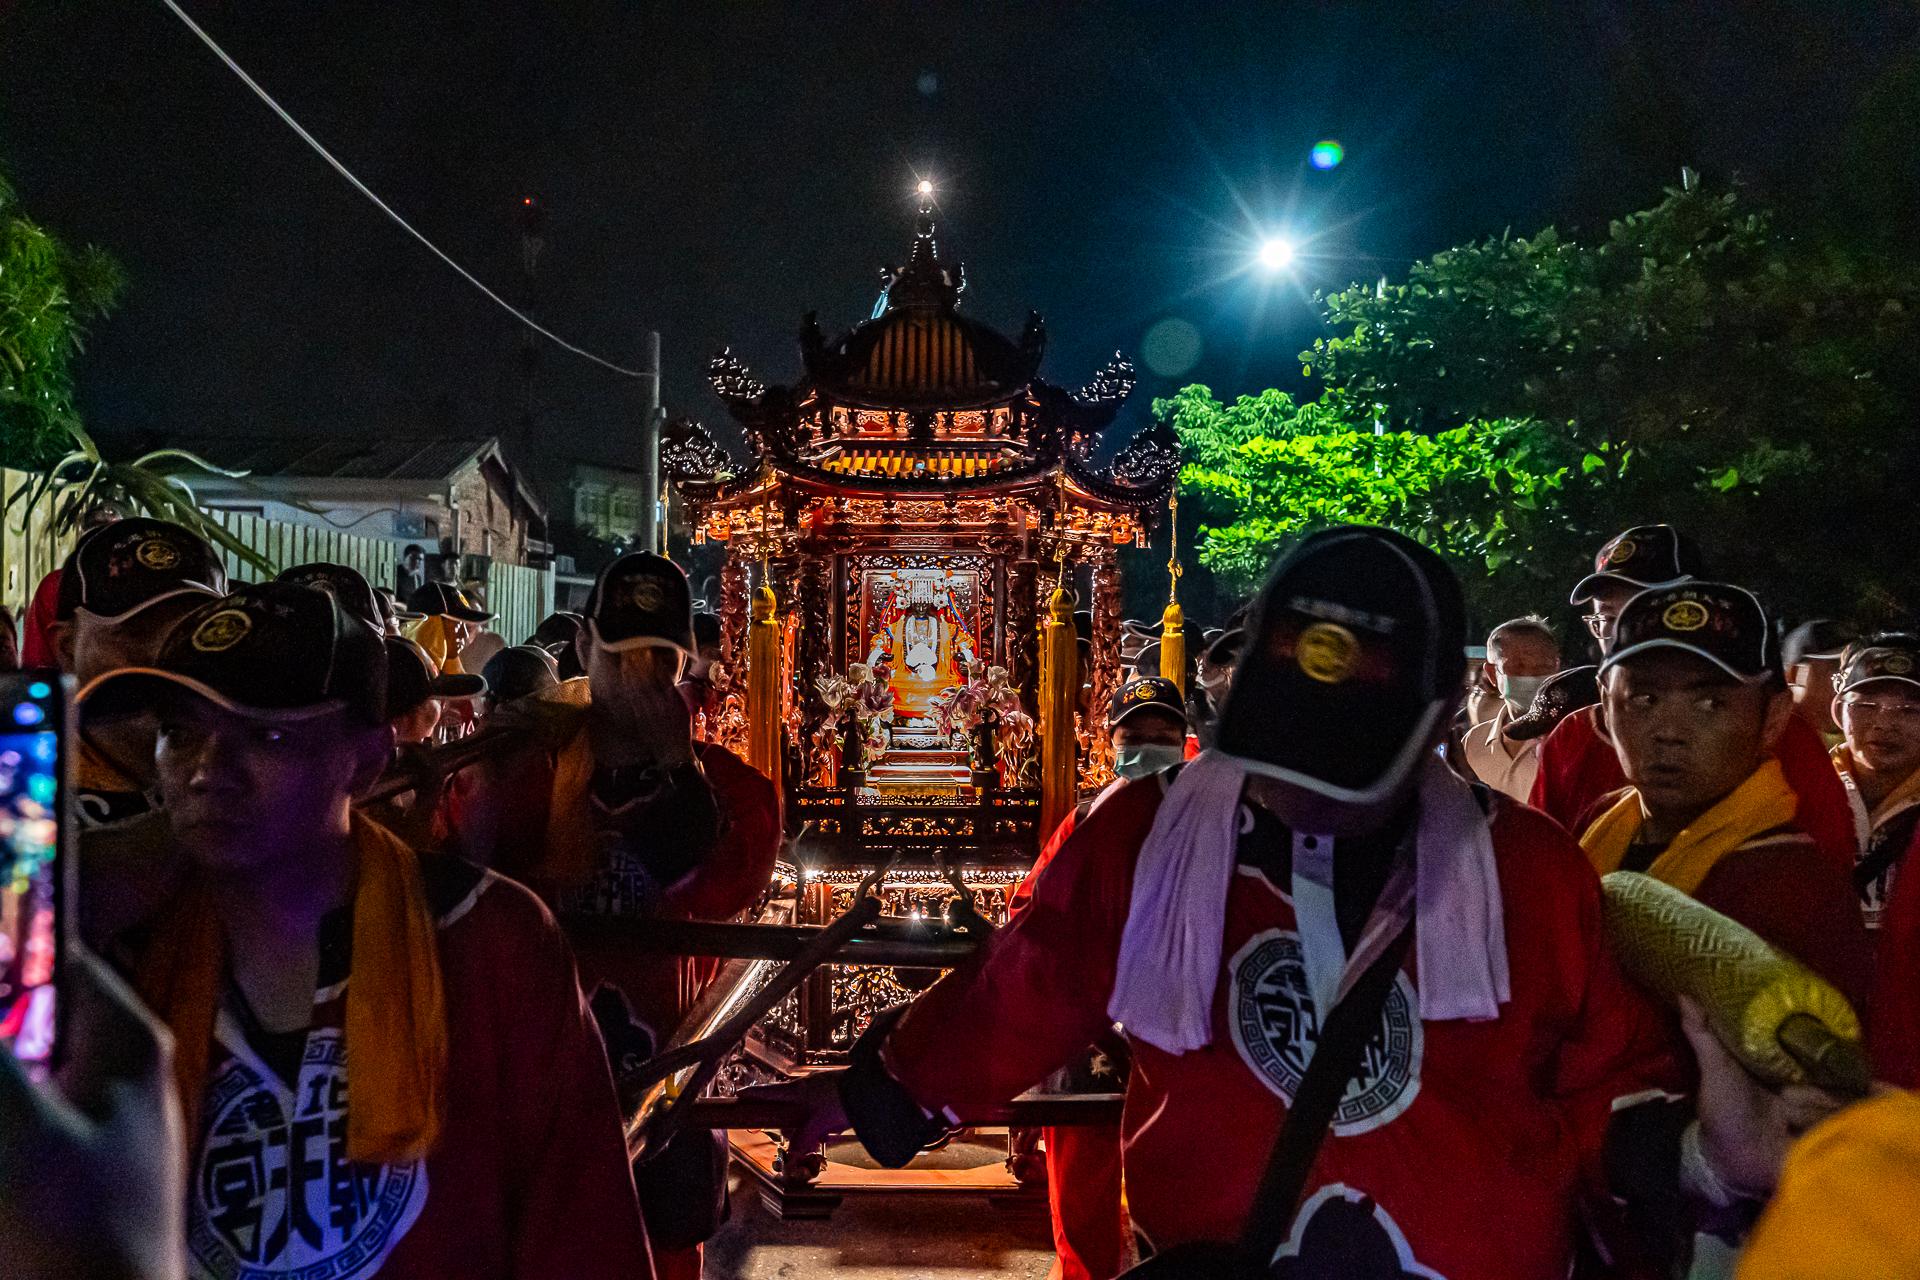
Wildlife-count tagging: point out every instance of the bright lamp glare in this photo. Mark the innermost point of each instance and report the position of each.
(926, 187)
(1276, 254)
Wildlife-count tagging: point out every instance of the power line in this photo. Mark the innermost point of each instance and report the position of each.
(387, 209)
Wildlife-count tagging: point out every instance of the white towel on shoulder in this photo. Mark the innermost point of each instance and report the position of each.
(1170, 949)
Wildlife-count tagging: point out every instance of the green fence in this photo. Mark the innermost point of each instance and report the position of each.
(520, 596)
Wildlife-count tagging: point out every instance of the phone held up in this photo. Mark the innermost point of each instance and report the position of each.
(36, 863)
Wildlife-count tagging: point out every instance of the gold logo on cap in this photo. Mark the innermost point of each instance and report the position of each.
(1141, 692)
(155, 554)
(1326, 652)
(1622, 551)
(646, 595)
(223, 630)
(1684, 615)
(1898, 664)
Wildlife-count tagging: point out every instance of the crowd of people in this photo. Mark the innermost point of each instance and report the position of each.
(1335, 930)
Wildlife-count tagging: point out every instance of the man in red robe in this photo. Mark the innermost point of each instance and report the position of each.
(1578, 765)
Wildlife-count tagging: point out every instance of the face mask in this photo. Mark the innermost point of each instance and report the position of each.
(1519, 690)
(1148, 757)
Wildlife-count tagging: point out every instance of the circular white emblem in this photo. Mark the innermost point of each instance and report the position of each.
(273, 1193)
(1275, 1028)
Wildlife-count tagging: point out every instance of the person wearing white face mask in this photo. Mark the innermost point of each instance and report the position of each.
(1521, 654)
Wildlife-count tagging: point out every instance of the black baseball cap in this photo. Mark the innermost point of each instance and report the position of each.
(1647, 555)
(347, 586)
(1713, 620)
(392, 610)
(1819, 638)
(437, 598)
(1224, 649)
(706, 628)
(1148, 693)
(1559, 696)
(272, 651)
(412, 678)
(118, 569)
(1884, 657)
(519, 671)
(1355, 651)
(641, 601)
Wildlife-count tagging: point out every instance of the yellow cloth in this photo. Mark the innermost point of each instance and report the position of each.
(571, 851)
(1764, 801)
(396, 1022)
(1844, 1209)
(435, 635)
(95, 770)
(1901, 797)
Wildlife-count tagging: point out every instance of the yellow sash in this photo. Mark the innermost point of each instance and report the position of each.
(1901, 797)
(396, 1023)
(1764, 801)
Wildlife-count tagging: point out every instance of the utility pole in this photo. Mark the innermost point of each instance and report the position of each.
(532, 218)
(653, 532)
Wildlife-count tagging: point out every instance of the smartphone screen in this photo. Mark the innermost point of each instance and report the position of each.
(31, 717)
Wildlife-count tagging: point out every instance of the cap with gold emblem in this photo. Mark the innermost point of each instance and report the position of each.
(1713, 620)
(1148, 693)
(1355, 651)
(437, 599)
(118, 569)
(641, 601)
(1892, 657)
(1647, 555)
(269, 651)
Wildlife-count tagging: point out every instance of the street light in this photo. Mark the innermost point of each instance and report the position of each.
(1276, 253)
(926, 187)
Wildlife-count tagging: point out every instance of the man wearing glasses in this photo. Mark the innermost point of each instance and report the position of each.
(1877, 705)
(1578, 766)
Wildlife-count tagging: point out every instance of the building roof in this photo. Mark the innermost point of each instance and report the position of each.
(921, 397)
(279, 462)
(337, 458)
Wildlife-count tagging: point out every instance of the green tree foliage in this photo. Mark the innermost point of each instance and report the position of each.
(1695, 365)
(1266, 468)
(49, 293)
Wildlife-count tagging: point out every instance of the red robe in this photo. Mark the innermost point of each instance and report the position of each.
(1578, 768)
(1470, 1144)
(529, 1178)
(1893, 1026)
(1085, 1195)
(36, 629)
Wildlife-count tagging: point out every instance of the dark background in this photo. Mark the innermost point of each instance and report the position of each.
(715, 170)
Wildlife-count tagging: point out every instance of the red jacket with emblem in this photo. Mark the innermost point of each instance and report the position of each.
(1469, 1146)
(529, 1178)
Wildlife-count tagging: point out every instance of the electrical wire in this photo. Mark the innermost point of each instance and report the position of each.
(387, 209)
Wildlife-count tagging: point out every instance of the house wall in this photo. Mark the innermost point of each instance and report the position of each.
(491, 521)
(606, 502)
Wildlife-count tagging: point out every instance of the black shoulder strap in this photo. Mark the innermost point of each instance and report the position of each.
(1342, 1037)
(1871, 867)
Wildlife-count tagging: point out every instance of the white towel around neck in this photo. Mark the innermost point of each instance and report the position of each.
(1170, 949)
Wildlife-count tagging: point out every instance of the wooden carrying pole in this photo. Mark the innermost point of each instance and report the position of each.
(1059, 683)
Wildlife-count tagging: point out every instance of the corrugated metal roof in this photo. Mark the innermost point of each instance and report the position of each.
(333, 458)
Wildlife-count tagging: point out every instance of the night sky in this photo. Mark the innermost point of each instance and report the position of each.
(715, 170)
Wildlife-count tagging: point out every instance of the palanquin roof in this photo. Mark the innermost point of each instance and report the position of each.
(921, 400)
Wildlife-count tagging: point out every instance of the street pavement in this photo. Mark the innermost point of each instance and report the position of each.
(903, 1237)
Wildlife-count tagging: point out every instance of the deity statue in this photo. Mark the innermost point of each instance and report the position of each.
(924, 643)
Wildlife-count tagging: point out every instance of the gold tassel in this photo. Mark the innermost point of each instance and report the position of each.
(1173, 645)
(1059, 683)
(1783, 1022)
(763, 685)
(1173, 623)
